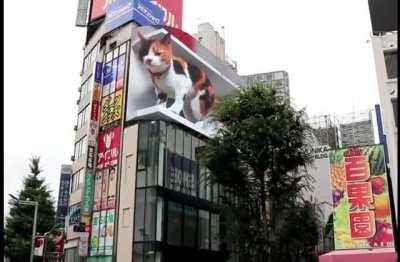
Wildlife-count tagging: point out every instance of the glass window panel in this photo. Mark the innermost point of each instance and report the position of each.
(160, 212)
(122, 49)
(151, 215)
(170, 165)
(178, 160)
(204, 227)
(149, 252)
(162, 148)
(84, 145)
(174, 222)
(194, 173)
(215, 193)
(152, 150)
(214, 232)
(138, 252)
(142, 149)
(391, 64)
(139, 214)
(141, 178)
(108, 57)
(81, 178)
(189, 230)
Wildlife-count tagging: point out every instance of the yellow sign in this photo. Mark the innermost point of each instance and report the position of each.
(111, 108)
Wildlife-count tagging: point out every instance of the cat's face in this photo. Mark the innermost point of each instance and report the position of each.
(156, 55)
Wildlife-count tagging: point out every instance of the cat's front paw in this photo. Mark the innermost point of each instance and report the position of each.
(176, 108)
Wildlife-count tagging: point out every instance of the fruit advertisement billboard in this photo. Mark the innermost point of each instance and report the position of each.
(171, 72)
(362, 216)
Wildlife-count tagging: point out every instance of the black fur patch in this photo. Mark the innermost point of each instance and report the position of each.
(194, 73)
(178, 68)
(144, 48)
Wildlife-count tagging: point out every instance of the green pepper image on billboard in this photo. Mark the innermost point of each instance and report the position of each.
(362, 217)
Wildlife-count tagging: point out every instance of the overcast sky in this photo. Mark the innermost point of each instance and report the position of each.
(321, 44)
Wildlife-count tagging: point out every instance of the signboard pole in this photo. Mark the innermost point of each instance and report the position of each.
(393, 212)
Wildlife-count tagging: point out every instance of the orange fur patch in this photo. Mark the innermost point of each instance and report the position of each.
(165, 51)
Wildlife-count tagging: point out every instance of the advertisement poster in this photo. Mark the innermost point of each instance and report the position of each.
(111, 108)
(362, 217)
(74, 214)
(104, 189)
(102, 231)
(108, 147)
(120, 73)
(94, 239)
(98, 181)
(112, 187)
(63, 196)
(154, 84)
(108, 247)
(87, 202)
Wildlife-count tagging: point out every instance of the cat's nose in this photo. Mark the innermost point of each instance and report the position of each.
(148, 61)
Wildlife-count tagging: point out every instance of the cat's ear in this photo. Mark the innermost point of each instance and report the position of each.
(166, 39)
(141, 36)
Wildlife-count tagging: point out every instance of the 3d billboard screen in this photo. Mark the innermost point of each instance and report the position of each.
(170, 69)
(362, 217)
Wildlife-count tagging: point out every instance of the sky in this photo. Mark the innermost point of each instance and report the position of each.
(323, 45)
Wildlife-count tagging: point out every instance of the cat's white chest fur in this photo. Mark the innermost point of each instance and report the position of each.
(174, 85)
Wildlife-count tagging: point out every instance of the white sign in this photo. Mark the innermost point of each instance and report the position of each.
(83, 244)
(39, 243)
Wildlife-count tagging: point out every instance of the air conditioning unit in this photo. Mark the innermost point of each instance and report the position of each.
(75, 127)
(72, 158)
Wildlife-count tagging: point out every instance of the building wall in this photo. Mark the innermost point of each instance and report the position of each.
(277, 79)
(357, 134)
(388, 90)
(211, 39)
(127, 194)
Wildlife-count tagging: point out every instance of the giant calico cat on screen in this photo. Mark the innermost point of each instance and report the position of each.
(177, 78)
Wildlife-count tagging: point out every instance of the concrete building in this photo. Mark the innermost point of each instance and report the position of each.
(137, 186)
(356, 128)
(277, 79)
(325, 130)
(385, 54)
(214, 42)
(211, 39)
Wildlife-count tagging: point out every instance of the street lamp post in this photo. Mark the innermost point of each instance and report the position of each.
(36, 205)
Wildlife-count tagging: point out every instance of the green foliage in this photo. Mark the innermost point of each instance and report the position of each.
(18, 228)
(260, 154)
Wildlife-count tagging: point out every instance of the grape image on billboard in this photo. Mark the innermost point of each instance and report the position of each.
(167, 72)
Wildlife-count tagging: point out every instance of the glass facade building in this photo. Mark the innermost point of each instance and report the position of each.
(176, 204)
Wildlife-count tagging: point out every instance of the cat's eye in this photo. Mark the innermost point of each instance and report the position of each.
(157, 53)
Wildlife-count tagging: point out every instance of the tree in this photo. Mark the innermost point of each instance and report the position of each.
(18, 229)
(261, 155)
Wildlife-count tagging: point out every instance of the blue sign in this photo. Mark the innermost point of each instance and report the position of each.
(63, 196)
(142, 12)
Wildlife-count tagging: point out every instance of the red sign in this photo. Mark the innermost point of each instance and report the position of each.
(108, 147)
(94, 115)
(172, 12)
(98, 9)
